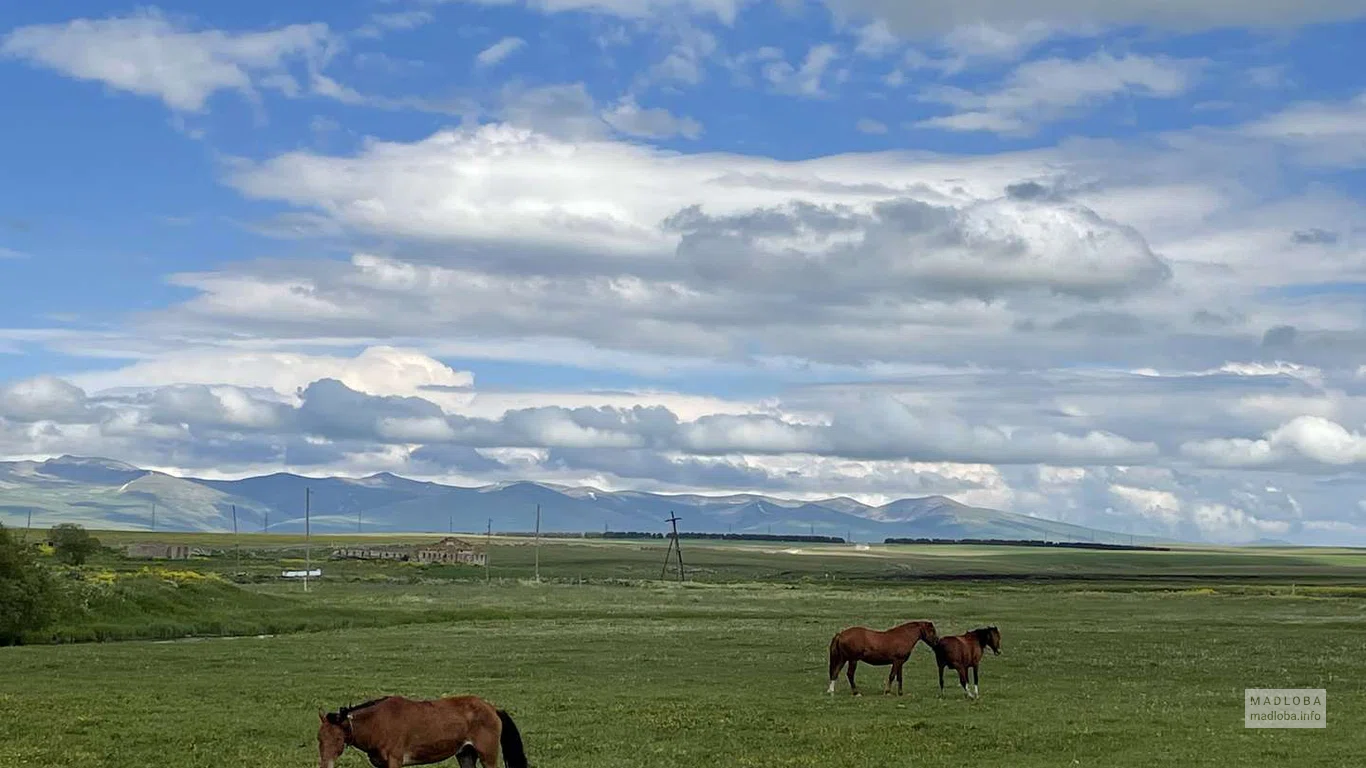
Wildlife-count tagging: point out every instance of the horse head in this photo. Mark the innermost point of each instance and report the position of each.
(929, 634)
(991, 638)
(333, 734)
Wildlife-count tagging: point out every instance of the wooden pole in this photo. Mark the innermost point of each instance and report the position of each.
(154, 516)
(488, 551)
(676, 545)
(237, 543)
(308, 542)
(29, 528)
(668, 555)
(538, 543)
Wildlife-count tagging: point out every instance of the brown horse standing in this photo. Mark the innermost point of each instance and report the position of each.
(394, 732)
(877, 647)
(964, 652)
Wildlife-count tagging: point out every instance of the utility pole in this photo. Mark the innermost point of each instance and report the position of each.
(265, 521)
(308, 542)
(358, 521)
(237, 543)
(538, 543)
(154, 516)
(676, 545)
(488, 550)
(29, 528)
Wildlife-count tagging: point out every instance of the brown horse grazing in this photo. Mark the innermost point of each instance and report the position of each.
(877, 647)
(964, 652)
(394, 732)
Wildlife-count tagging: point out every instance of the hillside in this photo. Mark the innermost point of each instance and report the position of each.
(100, 493)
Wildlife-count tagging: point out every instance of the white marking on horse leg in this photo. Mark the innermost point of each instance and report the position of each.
(975, 691)
(831, 689)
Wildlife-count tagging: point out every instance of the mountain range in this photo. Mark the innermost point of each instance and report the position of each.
(102, 493)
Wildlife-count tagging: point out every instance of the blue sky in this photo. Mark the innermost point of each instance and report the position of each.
(869, 247)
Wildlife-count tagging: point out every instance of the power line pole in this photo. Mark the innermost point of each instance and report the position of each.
(308, 542)
(29, 528)
(675, 547)
(538, 543)
(237, 543)
(358, 521)
(154, 516)
(488, 551)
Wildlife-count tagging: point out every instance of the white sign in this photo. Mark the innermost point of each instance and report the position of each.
(301, 574)
(1285, 708)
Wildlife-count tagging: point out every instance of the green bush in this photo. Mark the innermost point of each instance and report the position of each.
(29, 597)
(73, 544)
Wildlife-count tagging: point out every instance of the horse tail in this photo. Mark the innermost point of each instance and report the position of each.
(835, 660)
(514, 754)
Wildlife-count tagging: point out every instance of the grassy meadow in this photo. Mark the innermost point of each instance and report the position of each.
(1110, 658)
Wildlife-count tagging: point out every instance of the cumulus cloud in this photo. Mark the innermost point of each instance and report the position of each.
(1310, 440)
(150, 54)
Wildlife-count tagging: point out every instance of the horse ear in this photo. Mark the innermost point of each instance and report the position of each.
(322, 716)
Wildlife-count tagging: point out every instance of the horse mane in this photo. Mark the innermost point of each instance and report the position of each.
(341, 715)
(982, 634)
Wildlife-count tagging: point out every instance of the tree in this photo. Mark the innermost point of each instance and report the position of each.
(28, 596)
(73, 544)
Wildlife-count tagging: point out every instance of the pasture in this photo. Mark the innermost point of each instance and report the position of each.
(1109, 659)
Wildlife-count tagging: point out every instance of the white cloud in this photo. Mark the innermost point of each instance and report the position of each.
(722, 10)
(876, 40)
(1051, 89)
(1304, 439)
(1324, 133)
(870, 126)
(151, 55)
(934, 17)
(499, 51)
(806, 80)
(628, 117)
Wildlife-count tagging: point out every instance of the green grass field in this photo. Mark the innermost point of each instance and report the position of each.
(1114, 659)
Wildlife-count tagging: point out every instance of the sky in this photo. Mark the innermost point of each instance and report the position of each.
(1091, 261)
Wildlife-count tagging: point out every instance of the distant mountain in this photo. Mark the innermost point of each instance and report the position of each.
(100, 493)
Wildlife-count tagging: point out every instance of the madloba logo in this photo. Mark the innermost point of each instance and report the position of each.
(1285, 708)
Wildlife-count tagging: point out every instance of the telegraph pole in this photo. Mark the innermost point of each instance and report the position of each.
(236, 541)
(308, 542)
(675, 547)
(538, 543)
(154, 516)
(358, 521)
(488, 550)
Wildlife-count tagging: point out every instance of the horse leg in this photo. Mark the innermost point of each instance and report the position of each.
(899, 667)
(963, 678)
(975, 692)
(849, 672)
(468, 756)
(941, 679)
(836, 663)
(891, 675)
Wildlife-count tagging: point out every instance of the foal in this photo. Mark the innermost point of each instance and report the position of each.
(877, 647)
(394, 732)
(964, 652)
